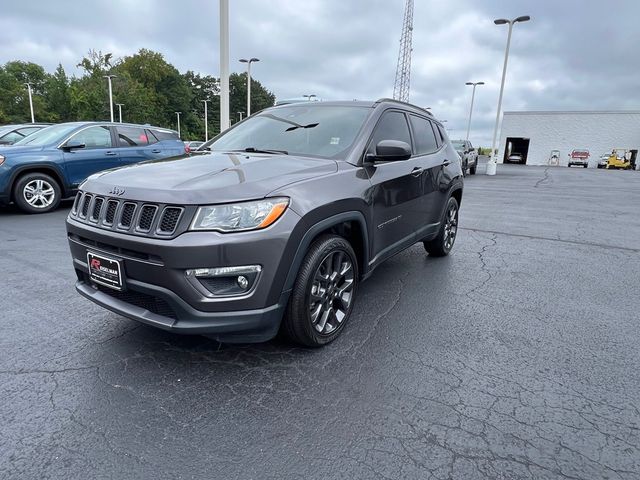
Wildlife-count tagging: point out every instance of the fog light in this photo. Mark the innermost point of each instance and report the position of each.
(243, 283)
(224, 281)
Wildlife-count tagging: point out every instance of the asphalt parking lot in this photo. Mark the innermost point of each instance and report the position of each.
(515, 357)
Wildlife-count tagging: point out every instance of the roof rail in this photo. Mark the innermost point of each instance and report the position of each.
(385, 99)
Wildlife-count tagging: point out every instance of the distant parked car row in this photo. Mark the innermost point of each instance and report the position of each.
(48, 165)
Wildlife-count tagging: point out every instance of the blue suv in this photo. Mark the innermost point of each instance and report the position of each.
(49, 165)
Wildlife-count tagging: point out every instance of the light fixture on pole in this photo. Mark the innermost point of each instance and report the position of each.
(309, 97)
(120, 105)
(178, 115)
(28, 85)
(224, 65)
(249, 62)
(206, 121)
(109, 78)
(473, 95)
(493, 160)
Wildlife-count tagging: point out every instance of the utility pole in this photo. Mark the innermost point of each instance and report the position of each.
(473, 94)
(224, 65)
(109, 78)
(206, 121)
(493, 160)
(120, 105)
(33, 118)
(178, 114)
(249, 62)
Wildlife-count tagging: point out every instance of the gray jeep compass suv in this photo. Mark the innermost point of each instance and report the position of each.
(271, 225)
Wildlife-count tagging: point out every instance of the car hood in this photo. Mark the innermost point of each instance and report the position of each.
(13, 149)
(209, 178)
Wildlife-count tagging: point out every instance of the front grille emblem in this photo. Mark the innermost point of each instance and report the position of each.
(117, 191)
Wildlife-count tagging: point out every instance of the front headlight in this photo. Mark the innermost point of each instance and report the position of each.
(238, 217)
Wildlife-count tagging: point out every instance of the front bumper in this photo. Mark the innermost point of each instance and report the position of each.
(158, 292)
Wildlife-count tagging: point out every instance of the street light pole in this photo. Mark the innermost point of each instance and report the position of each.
(224, 65)
(473, 95)
(120, 105)
(249, 62)
(33, 118)
(206, 121)
(178, 114)
(493, 160)
(109, 78)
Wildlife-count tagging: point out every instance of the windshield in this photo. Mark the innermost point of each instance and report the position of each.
(315, 130)
(54, 133)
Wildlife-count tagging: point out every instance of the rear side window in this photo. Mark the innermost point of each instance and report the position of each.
(12, 137)
(424, 138)
(151, 137)
(443, 136)
(166, 135)
(131, 136)
(28, 130)
(392, 126)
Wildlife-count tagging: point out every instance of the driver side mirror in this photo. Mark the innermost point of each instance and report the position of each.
(391, 151)
(73, 145)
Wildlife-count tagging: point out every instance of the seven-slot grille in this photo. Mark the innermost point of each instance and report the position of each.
(126, 215)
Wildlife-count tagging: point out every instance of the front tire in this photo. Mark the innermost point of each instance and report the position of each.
(442, 244)
(472, 170)
(323, 294)
(37, 193)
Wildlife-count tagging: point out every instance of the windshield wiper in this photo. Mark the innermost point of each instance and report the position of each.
(258, 150)
(311, 125)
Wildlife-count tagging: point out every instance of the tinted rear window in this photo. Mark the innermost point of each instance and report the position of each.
(165, 135)
(424, 137)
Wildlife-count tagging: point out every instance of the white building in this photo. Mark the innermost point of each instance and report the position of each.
(536, 134)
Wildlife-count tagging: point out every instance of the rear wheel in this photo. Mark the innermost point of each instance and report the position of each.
(323, 294)
(442, 244)
(37, 193)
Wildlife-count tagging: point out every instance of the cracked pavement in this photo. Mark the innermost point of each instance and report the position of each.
(514, 358)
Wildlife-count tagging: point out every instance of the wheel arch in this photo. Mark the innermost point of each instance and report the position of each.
(38, 168)
(350, 225)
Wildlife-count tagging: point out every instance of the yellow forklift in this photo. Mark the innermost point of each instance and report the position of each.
(622, 159)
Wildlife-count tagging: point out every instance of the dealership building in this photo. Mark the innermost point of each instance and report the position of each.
(535, 135)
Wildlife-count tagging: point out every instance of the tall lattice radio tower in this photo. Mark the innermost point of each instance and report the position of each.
(402, 84)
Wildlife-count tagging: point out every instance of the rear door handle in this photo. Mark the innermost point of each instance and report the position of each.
(111, 154)
(416, 172)
(156, 151)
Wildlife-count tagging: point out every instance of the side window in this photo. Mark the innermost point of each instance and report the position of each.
(131, 136)
(28, 130)
(166, 135)
(151, 137)
(425, 140)
(12, 137)
(392, 126)
(443, 135)
(94, 137)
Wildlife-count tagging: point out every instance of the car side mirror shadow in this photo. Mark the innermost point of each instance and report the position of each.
(390, 151)
(73, 145)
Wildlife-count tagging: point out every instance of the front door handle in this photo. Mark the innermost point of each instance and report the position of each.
(111, 154)
(156, 151)
(416, 172)
(446, 163)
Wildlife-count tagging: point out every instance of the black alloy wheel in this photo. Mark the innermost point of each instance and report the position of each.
(442, 244)
(324, 293)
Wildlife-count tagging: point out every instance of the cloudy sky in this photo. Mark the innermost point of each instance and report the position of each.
(573, 55)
